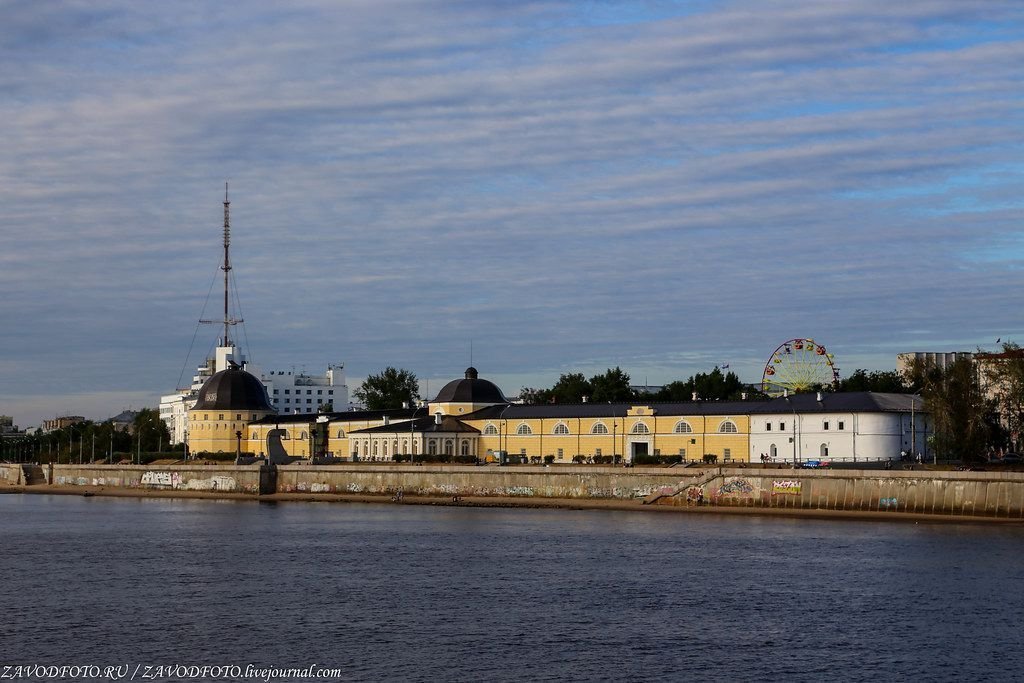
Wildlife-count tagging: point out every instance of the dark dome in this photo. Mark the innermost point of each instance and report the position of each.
(470, 390)
(233, 389)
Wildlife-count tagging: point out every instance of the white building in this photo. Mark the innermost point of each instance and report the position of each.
(289, 392)
(840, 427)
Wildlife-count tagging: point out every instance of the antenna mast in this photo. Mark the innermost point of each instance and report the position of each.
(228, 320)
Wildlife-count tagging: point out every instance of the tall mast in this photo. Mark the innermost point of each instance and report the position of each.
(227, 261)
(228, 321)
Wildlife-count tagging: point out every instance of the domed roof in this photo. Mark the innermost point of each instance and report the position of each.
(233, 389)
(472, 389)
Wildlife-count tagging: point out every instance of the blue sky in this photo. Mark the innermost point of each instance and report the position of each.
(663, 186)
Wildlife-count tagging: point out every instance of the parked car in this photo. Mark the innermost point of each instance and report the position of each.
(1013, 458)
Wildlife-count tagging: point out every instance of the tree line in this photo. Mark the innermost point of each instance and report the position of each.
(87, 440)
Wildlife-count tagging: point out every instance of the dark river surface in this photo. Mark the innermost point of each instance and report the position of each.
(393, 592)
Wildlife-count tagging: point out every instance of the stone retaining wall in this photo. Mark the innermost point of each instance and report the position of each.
(229, 478)
(990, 494)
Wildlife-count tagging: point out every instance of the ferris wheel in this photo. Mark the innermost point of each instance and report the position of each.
(798, 365)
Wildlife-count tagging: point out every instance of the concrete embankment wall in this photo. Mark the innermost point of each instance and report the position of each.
(11, 475)
(989, 494)
(540, 482)
(229, 478)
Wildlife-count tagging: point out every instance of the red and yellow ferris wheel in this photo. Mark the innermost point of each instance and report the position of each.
(798, 365)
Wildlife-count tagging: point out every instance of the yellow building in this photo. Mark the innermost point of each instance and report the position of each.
(471, 418)
(227, 403)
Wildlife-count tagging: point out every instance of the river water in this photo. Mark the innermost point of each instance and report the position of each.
(395, 592)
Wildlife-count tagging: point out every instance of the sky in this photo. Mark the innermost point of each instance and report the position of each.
(567, 186)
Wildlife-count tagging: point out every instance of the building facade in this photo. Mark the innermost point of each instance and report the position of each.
(471, 418)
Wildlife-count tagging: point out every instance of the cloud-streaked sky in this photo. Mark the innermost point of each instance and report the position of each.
(663, 186)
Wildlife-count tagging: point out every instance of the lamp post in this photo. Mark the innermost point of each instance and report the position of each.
(615, 442)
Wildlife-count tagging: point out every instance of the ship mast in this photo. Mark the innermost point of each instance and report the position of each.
(228, 321)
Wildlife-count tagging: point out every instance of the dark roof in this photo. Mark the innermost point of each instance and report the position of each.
(427, 424)
(233, 389)
(862, 401)
(472, 389)
(592, 410)
(847, 402)
(350, 415)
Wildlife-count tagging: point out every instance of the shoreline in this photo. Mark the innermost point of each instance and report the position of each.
(617, 505)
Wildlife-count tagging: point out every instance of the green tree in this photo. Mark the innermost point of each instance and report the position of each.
(388, 390)
(150, 431)
(963, 419)
(710, 386)
(611, 387)
(571, 388)
(1004, 380)
(888, 381)
(533, 397)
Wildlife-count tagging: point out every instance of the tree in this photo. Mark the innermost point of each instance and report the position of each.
(709, 386)
(611, 387)
(888, 381)
(533, 397)
(388, 390)
(963, 419)
(1004, 382)
(571, 388)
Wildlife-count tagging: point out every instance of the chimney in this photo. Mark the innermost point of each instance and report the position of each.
(437, 418)
(387, 420)
(693, 396)
(586, 398)
(785, 393)
(819, 397)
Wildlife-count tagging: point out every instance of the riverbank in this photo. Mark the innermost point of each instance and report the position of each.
(513, 502)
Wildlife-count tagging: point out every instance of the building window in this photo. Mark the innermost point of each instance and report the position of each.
(560, 454)
(597, 452)
(238, 416)
(683, 427)
(490, 430)
(341, 433)
(768, 427)
(302, 435)
(522, 451)
(287, 391)
(464, 447)
(599, 428)
(782, 426)
(682, 453)
(524, 429)
(319, 392)
(826, 425)
(275, 392)
(221, 416)
(330, 392)
(560, 428)
(309, 400)
(728, 427)
(840, 425)
(309, 392)
(727, 454)
(640, 428)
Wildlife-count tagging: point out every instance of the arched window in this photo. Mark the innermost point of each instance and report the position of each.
(727, 427)
(524, 429)
(375, 449)
(448, 447)
(683, 427)
(384, 449)
(560, 428)
(432, 447)
(490, 430)
(341, 433)
(464, 447)
(823, 451)
(640, 428)
(599, 428)
(255, 436)
(405, 445)
(303, 436)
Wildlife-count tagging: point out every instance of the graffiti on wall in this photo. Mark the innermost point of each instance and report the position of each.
(695, 495)
(787, 487)
(168, 479)
(736, 487)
